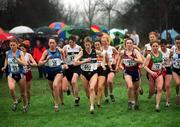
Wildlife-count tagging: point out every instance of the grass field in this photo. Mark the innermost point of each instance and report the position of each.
(41, 113)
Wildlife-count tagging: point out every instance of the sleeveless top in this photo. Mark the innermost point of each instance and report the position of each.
(71, 53)
(13, 66)
(27, 67)
(54, 63)
(155, 63)
(92, 65)
(128, 63)
(175, 60)
(110, 54)
(165, 56)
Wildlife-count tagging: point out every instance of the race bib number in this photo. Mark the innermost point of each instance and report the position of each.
(176, 63)
(26, 68)
(54, 62)
(157, 66)
(89, 66)
(70, 59)
(14, 68)
(129, 62)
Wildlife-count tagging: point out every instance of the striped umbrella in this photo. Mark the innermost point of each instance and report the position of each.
(57, 25)
(95, 28)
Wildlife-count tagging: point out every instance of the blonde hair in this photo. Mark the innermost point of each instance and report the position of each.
(107, 38)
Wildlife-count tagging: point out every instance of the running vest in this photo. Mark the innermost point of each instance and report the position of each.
(175, 59)
(99, 58)
(28, 67)
(109, 52)
(55, 60)
(13, 66)
(92, 65)
(128, 63)
(165, 56)
(155, 63)
(71, 53)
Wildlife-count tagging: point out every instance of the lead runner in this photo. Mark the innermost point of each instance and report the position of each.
(52, 59)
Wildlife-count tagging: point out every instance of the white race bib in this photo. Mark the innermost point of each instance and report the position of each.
(54, 62)
(156, 66)
(14, 68)
(176, 63)
(89, 66)
(70, 59)
(129, 62)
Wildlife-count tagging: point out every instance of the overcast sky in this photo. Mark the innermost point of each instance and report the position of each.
(77, 3)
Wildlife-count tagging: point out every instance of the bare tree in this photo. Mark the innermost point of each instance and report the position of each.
(109, 6)
(90, 10)
(72, 15)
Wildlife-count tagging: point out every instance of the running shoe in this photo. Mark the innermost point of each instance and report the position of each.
(77, 99)
(157, 108)
(130, 106)
(112, 98)
(92, 109)
(14, 106)
(56, 108)
(167, 104)
(25, 109)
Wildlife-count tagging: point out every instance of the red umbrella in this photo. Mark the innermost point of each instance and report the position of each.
(1, 30)
(5, 36)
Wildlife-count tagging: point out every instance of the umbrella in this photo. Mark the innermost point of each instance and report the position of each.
(78, 30)
(95, 28)
(65, 28)
(63, 34)
(114, 31)
(57, 25)
(172, 32)
(1, 30)
(21, 30)
(104, 28)
(45, 31)
(99, 28)
(5, 36)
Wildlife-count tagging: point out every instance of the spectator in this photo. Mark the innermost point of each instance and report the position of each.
(169, 40)
(117, 41)
(135, 37)
(37, 53)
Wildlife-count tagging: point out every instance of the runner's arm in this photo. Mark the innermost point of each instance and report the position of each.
(43, 59)
(32, 61)
(5, 63)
